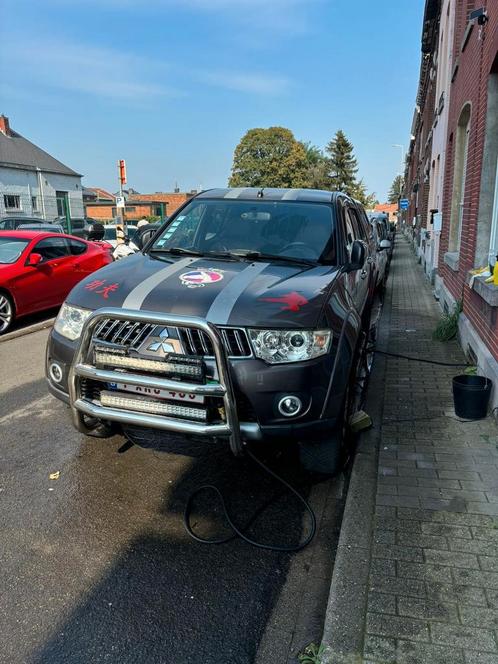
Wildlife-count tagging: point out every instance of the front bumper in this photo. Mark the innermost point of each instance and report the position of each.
(251, 381)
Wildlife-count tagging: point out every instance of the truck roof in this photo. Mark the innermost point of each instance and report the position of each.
(270, 194)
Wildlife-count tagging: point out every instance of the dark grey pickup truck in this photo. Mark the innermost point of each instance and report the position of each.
(243, 318)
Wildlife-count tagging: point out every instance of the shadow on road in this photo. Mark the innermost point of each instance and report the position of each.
(168, 599)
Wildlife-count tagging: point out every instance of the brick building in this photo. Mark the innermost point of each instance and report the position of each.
(419, 157)
(101, 205)
(391, 209)
(466, 197)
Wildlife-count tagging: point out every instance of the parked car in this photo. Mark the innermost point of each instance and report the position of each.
(382, 218)
(246, 319)
(41, 228)
(80, 226)
(11, 223)
(37, 270)
(110, 235)
(383, 245)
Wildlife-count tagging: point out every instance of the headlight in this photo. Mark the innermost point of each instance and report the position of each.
(278, 346)
(70, 321)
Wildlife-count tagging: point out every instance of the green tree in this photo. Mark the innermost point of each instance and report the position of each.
(396, 190)
(369, 201)
(318, 176)
(343, 164)
(269, 158)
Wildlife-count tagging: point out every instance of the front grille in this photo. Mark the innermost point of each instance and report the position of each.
(123, 332)
(195, 342)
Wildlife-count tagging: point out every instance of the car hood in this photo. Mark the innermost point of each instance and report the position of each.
(238, 293)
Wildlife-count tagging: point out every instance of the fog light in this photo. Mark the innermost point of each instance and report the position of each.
(55, 372)
(290, 406)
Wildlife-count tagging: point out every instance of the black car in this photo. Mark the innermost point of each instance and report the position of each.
(11, 223)
(243, 318)
(80, 226)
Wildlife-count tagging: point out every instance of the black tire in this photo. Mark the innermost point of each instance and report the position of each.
(331, 454)
(7, 312)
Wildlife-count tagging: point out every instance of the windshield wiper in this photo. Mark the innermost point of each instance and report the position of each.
(260, 255)
(177, 251)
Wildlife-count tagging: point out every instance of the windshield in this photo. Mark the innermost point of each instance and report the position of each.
(280, 228)
(11, 248)
(110, 232)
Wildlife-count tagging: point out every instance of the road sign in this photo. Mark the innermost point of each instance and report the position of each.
(404, 204)
(120, 202)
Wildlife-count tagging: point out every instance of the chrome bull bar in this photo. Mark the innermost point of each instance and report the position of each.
(224, 388)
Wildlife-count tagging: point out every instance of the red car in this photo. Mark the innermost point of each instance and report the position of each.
(37, 270)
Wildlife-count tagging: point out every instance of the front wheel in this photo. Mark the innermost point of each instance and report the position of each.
(6, 312)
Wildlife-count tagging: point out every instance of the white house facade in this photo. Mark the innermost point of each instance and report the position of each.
(32, 182)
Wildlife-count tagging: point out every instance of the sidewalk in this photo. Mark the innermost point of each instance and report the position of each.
(416, 574)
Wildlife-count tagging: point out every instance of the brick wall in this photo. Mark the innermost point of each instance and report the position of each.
(469, 86)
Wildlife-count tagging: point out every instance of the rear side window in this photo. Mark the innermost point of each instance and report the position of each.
(361, 230)
(77, 248)
(51, 247)
(351, 232)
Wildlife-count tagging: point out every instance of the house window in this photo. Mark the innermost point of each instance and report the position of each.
(11, 202)
(493, 240)
(459, 179)
(62, 199)
(34, 203)
(130, 208)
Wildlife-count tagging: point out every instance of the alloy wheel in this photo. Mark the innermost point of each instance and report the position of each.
(5, 313)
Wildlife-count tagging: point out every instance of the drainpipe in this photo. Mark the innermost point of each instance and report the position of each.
(40, 187)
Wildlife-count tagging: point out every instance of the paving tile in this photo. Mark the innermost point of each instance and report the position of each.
(395, 552)
(451, 558)
(424, 571)
(463, 636)
(445, 530)
(475, 578)
(397, 585)
(381, 603)
(397, 627)
(427, 609)
(409, 652)
(475, 657)
(380, 649)
(479, 616)
(463, 594)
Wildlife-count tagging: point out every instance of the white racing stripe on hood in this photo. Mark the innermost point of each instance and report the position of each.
(223, 304)
(136, 297)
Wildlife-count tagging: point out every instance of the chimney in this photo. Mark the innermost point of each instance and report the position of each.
(4, 125)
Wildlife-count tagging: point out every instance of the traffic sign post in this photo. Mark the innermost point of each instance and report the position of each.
(121, 198)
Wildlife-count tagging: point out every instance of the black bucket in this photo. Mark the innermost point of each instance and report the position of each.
(471, 396)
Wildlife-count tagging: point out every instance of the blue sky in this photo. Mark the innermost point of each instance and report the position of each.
(172, 85)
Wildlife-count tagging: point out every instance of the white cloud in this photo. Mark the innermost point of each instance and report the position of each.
(89, 69)
(261, 84)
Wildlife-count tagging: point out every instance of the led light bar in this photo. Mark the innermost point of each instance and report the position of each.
(142, 364)
(153, 407)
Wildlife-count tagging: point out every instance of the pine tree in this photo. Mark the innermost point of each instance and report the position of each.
(396, 190)
(343, 164)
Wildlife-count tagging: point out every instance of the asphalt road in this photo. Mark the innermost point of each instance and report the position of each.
(96, 566)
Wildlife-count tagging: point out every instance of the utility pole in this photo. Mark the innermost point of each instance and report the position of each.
(122, 181)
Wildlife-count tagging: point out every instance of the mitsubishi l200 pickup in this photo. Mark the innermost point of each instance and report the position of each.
(243, 318)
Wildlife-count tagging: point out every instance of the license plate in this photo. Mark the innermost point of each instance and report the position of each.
(157, 392)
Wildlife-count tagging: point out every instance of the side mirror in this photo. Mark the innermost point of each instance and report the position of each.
(35, 259)
(143, 237)
(384, 244)
(358, 256)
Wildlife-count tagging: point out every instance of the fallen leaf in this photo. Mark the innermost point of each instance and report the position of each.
(54, 476)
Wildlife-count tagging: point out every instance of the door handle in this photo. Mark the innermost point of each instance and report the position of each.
(363, 274)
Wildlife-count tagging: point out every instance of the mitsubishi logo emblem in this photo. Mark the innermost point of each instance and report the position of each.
(161, 343)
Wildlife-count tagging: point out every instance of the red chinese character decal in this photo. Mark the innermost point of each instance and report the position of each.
(292, 301)
(97, 283)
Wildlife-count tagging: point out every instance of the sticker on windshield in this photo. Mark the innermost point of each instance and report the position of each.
(201, 278)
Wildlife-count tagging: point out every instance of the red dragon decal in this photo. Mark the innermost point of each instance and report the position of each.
(292, 301)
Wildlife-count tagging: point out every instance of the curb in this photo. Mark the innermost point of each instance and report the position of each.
(344, 627)
(36, 327)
